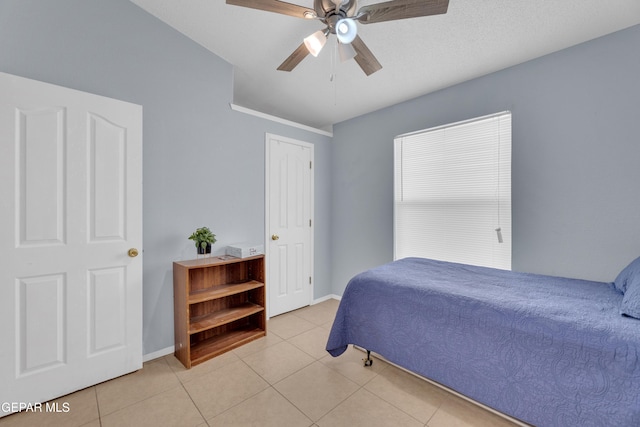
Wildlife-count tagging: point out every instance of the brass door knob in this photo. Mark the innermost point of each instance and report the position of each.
(133, 252)
(274, 237)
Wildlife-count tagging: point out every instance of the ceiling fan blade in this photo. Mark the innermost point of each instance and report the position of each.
(401, 9)
(274, 6)
(365, 59)
(295, 58)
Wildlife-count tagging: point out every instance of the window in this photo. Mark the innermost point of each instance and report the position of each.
(452, 192)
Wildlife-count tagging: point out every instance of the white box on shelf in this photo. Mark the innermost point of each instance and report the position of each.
(244, 250)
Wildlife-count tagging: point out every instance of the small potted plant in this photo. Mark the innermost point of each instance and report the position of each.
(204, 238)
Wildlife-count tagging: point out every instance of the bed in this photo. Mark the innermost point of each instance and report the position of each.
(548, 351)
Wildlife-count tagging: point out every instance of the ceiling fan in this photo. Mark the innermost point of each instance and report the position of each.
(340, 17)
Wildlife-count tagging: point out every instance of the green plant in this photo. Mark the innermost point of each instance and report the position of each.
(203, 236)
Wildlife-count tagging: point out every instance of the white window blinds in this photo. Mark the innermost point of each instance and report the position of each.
(452, 193)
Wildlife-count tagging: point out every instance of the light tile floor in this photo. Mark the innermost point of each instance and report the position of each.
(285, 379)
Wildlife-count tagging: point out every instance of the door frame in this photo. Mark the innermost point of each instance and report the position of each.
(267, 226)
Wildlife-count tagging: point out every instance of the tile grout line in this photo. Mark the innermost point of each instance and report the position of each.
(182, 384)
(270, 386)
(314, 422)
(95, 394)
(377, 374)
(191, 398)
(315, 360)
(143, 400)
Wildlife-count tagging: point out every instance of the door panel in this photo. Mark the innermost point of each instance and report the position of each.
(41, 344)
(107, 313)
(107, 145)
(289, 224)
(71, 207)
(40, 147)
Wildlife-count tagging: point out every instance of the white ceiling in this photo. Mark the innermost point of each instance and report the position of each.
(418, 55)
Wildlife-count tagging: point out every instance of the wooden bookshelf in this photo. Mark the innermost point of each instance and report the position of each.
(219, 304)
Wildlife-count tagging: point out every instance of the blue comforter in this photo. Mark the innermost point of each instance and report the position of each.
(549, 351)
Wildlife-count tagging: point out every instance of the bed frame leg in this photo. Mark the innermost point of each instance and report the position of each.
(368, 361)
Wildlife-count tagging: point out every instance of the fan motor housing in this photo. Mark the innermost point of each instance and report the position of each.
(327, 8)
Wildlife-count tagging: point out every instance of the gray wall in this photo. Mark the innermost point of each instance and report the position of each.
(576, 123)
(203, 163)
(575, 161)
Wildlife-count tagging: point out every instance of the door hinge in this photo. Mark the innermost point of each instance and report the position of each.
(309, 223)
(310, 164)
(309, 279)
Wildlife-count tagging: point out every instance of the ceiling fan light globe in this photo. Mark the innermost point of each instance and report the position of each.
(346, 52)
(346, 30)
(315, 42)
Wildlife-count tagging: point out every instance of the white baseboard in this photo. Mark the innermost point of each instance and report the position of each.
(325, 298)
(157, 354)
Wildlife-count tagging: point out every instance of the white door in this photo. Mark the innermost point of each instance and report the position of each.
(289, 224)
(70, 209)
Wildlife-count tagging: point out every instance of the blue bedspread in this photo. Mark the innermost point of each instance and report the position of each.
(549, 351)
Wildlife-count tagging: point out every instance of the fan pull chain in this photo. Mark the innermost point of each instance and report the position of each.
(332, 73)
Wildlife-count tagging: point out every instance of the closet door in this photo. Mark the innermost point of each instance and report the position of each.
(289, 224)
